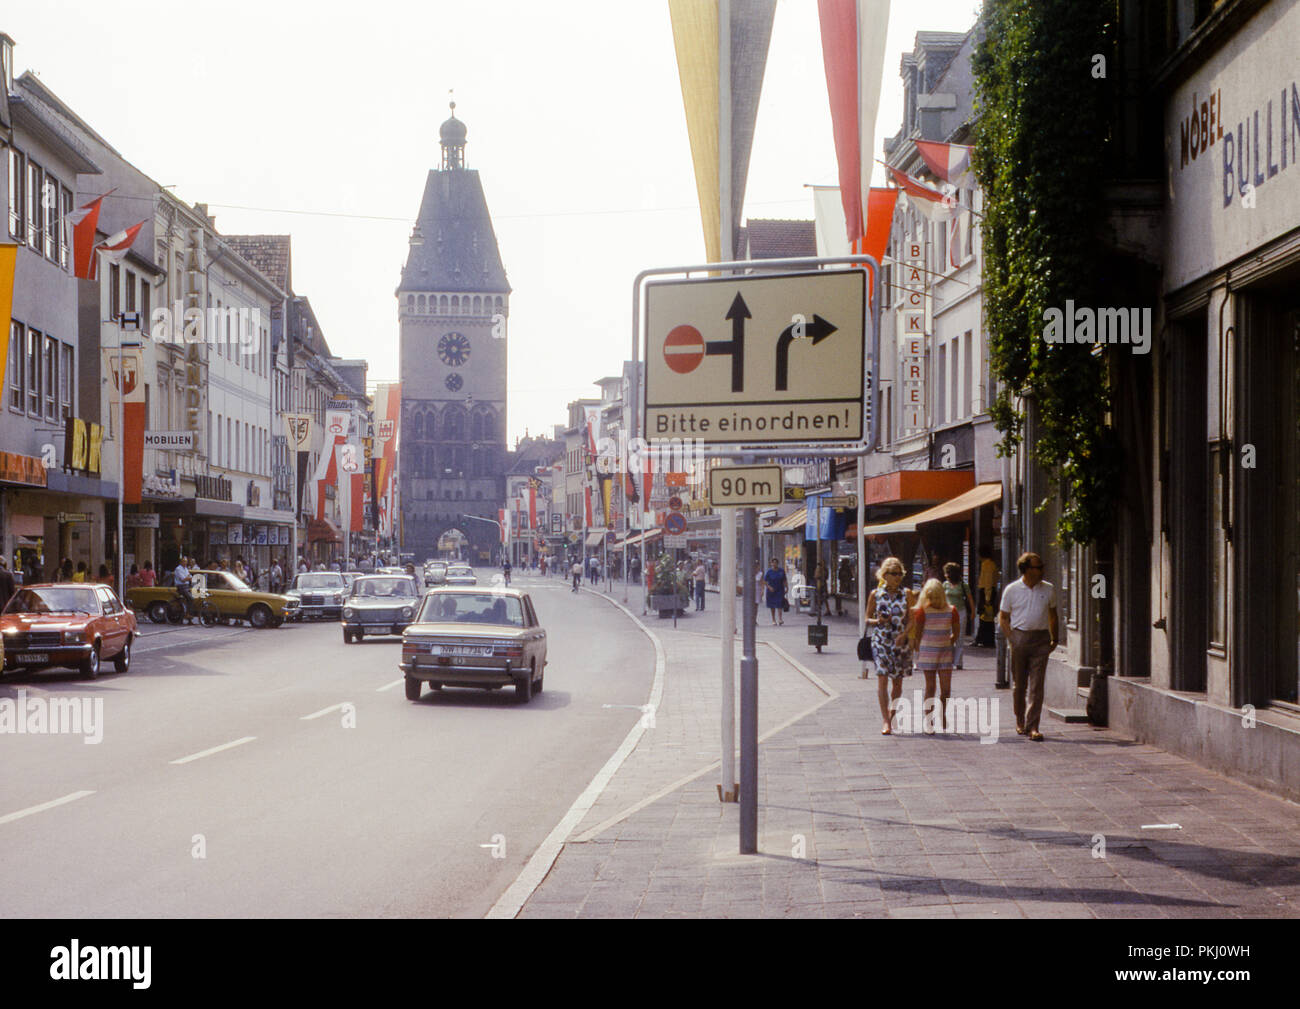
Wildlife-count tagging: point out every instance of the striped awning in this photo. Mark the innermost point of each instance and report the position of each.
(791, 523)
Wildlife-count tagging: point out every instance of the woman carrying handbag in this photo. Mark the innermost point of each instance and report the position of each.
(887, 610)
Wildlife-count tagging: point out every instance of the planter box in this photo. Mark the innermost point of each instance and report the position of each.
(666, 604)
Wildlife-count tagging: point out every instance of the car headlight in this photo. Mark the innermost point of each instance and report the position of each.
(338, 598)
(347, 612)
(74, 637)
(406, 612)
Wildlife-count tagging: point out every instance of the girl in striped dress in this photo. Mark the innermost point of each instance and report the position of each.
(935, 627)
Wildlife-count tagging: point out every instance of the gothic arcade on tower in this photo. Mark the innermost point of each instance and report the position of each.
(452, 306)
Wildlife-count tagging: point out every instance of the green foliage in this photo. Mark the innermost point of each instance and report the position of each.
(667, 578)
(1040, 155)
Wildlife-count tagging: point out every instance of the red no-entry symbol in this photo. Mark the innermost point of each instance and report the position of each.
(683, 349)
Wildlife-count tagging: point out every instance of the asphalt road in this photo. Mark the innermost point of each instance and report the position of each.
(383, 808)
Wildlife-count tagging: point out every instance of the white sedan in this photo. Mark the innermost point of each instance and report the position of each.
(461, 574)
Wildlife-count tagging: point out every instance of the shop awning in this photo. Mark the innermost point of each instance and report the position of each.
(950, 510)
(319, 530)
(793, 522)
(636, 539)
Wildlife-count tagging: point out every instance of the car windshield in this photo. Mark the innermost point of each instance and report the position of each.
(471, 608)
(383, 588)
(321, 580)
(225, 580)
(53, 600)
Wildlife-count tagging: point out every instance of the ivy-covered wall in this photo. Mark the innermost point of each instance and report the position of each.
(1040, 142)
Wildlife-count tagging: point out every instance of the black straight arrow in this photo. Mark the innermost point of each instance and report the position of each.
(737, 313)
(818, 330)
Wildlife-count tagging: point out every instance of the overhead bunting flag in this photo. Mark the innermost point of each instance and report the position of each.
(695, 39)
(950, 162)
(929, 203)
(853, 52)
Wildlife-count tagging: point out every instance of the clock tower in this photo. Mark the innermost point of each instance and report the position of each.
(452, 307)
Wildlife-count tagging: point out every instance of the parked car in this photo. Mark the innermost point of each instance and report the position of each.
(460, 574)
(77, 626)
(473, 638)
(234, 599)
(379, 604)
(320, 594)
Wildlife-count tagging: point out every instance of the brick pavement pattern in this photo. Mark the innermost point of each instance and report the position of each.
(855, 824)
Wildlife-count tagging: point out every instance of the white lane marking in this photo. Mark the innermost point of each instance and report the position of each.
(390, 686)
(70, 797)
(530, 878)
(1162, 826)
(325, 711)
(216, 749)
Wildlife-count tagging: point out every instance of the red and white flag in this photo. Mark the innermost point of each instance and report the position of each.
(929, 203)
(950, 162)
(84, 222)
(115, 247)
(954, 243)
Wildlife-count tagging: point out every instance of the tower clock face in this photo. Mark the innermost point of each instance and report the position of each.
(453, 349)
(454, 382)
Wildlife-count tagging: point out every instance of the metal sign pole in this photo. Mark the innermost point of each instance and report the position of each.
(749, 695)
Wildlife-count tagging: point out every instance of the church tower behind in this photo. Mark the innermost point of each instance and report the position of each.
(452, 306)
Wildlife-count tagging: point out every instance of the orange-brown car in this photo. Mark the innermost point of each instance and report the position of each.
(71, 625)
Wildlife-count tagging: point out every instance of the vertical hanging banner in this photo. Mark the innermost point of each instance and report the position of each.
(297, 432)
(8, 262)
(125, 367)
(327, 467)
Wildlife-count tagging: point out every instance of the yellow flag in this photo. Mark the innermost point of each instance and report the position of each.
(8, 260)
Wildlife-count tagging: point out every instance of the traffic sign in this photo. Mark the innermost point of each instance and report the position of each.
(744, 486)
(675, 503)
(745, 360)
(675, 524)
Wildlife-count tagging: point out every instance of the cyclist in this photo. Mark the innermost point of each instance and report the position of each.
(182, 579)
(576, 571)
(505, 569)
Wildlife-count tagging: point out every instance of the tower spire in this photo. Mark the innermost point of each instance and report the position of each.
(452, 137)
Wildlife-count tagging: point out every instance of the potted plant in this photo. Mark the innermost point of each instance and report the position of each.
(671, 589)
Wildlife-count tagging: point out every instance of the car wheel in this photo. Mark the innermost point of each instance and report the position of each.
(347, 636)
(524, 688)
(90, 666)
(158, 612)
(122, 660)
(260, 616)
(412, 689)
(537, 687)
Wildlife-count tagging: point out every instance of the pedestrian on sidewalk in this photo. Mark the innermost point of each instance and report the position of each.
(887, 609)
(777, 587)
(935, 630)
(1028, 619)
(698, 576)
(958, 595)
(988, 587)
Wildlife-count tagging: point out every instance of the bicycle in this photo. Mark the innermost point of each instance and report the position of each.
(179, 607)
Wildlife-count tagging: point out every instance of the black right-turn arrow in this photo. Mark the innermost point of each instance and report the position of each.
(819, 329)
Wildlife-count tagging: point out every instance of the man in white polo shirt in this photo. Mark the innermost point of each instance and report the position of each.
(1028, 620)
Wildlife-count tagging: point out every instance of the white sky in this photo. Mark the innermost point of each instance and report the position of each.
(575, 122)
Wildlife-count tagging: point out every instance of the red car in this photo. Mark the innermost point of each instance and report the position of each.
(71, 625)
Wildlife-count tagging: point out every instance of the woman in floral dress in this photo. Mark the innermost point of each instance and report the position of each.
(887, 610)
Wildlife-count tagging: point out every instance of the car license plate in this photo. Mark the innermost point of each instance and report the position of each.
(33, 656)
(481, 651)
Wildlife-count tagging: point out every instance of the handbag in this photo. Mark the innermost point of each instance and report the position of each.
(864, 647)
(785, 605)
